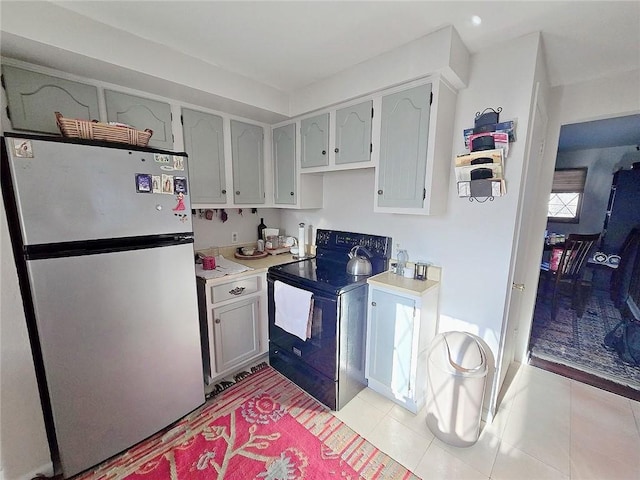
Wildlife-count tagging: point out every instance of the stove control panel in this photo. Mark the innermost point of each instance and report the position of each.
(377, 246)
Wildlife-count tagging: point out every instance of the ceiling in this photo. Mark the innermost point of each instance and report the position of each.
(289, 45)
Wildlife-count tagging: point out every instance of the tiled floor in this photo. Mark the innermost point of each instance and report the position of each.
(547, 427)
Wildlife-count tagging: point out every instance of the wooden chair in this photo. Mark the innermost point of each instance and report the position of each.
(569, 270)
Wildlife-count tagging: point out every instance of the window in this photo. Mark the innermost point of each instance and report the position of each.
(566, 195)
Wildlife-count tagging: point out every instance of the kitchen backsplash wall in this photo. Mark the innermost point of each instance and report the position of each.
(210, 233)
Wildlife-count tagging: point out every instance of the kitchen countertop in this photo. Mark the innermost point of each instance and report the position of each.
(407, 285)
(258, 265)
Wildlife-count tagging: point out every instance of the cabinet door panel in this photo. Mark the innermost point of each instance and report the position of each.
(247, 143)
(353, 134)
(403, 147)
(236, 332)
(33, 98)
(141, 113)
(314, 141)
(204, 142)
(390, 348)
(284, 156)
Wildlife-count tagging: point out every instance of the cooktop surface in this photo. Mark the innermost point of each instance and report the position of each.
(319, 274)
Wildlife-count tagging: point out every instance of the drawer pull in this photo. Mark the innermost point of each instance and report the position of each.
(237, 291)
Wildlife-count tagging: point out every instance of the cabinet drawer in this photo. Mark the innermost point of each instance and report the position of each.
(237, 289)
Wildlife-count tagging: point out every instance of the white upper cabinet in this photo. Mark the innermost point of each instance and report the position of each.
(247, 153)
(141, 113)
(314, 141)
(403, 147)
(353, 134)
(204, 143)
(33, 98)
(284, 162)
(416, 128)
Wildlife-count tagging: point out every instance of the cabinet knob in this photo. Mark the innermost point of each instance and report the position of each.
(380, 192)
(224, 192)
(291, 194)
(217, 320)
(324, 152)
(237, 192)
(237, 290)
(373, 304)
(337, 150)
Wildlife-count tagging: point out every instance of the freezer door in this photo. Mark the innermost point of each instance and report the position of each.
(72, 192)
(120, 344)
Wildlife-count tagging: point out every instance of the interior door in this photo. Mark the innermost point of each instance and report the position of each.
(527, 252)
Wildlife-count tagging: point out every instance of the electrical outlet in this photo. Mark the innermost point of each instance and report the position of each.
(234, 237)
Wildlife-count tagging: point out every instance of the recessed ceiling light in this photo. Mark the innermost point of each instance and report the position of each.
(476, 20)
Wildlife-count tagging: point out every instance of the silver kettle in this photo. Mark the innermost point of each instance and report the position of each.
(358, 265)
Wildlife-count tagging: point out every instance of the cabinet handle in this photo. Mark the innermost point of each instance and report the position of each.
(380, 192)
(373, 304)
(324, 152)
(224, 192)
(237, 192)
(237, 290)
(217, 320)
(337, 150)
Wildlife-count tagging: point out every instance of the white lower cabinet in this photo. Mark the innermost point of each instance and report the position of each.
(401, 323)
(233, 323)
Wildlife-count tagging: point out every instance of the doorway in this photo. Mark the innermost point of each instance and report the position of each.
(571, 341)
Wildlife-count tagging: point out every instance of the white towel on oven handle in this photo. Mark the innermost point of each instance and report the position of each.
(294, 309)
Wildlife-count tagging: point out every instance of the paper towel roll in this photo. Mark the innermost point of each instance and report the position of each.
(301, 241)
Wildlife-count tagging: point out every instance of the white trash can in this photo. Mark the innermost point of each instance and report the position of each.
(456, 378)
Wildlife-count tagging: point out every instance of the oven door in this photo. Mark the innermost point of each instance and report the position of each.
(318, 352)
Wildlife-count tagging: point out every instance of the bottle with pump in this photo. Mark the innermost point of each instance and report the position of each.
(403, 258)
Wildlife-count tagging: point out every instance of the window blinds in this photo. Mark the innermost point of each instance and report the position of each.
(569, 180)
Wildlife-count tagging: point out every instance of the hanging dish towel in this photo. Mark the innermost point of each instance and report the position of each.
(294, 308)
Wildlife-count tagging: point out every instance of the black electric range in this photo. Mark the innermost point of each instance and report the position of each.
(330, 363)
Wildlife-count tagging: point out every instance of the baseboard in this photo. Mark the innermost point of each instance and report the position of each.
(585, 377)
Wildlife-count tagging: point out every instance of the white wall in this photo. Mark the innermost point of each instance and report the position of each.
(472, 241)
(215, 233)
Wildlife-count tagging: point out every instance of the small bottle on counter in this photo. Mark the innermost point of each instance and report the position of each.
(261, 227)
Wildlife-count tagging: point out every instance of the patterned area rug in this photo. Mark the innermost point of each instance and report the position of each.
(578, 342)
(262, 428)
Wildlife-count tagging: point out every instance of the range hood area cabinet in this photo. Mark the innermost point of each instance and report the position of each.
(416, 128)
(338, 139)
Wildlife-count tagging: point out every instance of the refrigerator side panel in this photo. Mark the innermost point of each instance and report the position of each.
(120, 342)
(70, 192)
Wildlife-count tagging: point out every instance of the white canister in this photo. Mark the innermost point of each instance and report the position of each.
(409, 271)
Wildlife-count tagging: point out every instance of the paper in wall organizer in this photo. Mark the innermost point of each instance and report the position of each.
(479, 172)
(479, 158)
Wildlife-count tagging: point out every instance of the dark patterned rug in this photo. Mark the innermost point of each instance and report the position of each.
(578, 342)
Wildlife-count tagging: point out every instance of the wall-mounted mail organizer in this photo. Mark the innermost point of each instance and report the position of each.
(480, 173)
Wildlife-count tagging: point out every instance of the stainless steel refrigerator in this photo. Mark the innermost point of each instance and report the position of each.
(103, 242)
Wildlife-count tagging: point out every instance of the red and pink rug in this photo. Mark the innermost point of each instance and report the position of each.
(263, 428)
